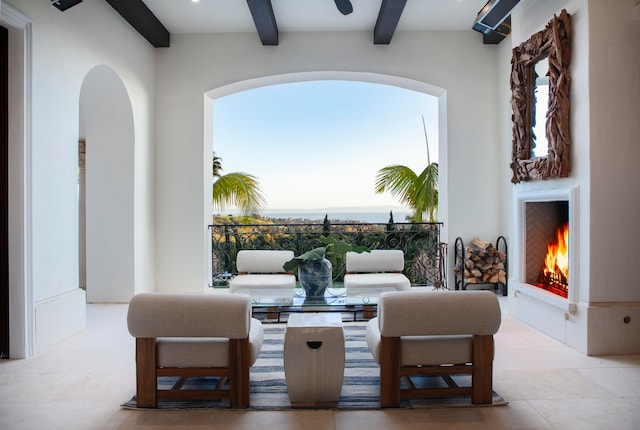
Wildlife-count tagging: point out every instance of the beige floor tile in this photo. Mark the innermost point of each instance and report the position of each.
(10, 366)
(80, 383)
(237, 420)
(381, 419)
(546, 384)
(518, 415)
(621, 382)
(590, 414)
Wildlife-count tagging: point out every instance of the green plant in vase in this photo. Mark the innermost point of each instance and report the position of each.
(315, 269)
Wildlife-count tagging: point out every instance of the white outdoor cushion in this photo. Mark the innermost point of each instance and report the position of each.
(153, 315)
(378, 260)
(205, 352)
(377, 281)
(265, 281)
(435, 327)
(375, 272)
(259, 269)
(424, 350)
(424, 313)
(192, 330)
(262, 260)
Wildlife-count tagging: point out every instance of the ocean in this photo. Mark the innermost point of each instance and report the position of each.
(370, 217)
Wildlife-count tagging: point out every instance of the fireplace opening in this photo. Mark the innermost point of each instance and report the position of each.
(547, 246)
(554, 275)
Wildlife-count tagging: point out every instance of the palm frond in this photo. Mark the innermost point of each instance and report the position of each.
(398, 180)
(426, 190)
(238, 189)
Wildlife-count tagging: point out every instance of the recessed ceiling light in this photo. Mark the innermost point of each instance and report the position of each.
(195, 1)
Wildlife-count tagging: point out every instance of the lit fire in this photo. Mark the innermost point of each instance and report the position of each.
(556, 264)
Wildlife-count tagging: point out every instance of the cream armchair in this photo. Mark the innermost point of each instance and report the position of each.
(434, 333)
(371, 273)
(192, 335)
(261, 270)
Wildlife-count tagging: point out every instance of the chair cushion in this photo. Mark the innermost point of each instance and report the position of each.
(436, 350)
(154, 315)
(378, 260)
(425, 313)
(192, 352)
(373, 338)
(205, 352)
(266, 281)
(377, 281)
(262, 260)
(424, 350)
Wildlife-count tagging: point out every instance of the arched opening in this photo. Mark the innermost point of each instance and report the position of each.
(106, 120)
(373, 78)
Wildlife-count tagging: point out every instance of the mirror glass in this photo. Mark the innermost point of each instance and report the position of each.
(539, 141)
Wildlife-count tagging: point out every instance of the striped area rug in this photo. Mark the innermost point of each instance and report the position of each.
(360, 389)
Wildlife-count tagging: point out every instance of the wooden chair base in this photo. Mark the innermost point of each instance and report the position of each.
(391, 372)
(237, 375)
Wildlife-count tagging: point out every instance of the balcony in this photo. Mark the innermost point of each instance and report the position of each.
(425, 254)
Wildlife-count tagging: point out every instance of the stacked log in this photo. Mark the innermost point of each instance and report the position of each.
(483, 264)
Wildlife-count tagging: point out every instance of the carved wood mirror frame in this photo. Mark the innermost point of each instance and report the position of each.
(552, 43)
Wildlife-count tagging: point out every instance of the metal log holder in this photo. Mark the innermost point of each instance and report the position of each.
(459, 255)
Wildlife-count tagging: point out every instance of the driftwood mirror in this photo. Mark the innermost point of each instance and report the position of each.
(540, 84)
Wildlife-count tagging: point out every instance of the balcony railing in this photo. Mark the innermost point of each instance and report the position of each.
(424, 253)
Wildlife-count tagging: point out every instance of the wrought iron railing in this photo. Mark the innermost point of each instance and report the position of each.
(425, 255)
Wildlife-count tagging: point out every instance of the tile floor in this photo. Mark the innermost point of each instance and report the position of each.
(80, 383)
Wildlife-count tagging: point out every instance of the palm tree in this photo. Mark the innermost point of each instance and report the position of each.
(418, 191)
(236, 189)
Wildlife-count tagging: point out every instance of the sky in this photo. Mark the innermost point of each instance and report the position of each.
(319, 144)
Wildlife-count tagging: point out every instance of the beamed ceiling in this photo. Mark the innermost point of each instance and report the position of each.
(156, 20)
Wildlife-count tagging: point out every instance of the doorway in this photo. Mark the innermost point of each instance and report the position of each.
(107, 129)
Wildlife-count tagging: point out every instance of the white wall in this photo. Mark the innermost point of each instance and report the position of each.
(65, 46)
(614, 87)
(605, 94)
(456, 62)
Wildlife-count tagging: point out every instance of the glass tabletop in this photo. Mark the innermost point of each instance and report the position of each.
(296, 298)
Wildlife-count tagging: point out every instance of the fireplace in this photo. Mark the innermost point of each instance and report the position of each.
(545, 220)
(547, 245)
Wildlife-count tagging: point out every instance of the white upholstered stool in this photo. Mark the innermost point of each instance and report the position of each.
(314, 358)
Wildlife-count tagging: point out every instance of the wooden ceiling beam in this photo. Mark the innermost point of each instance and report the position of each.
(143, 21)
(388, 18)
(265, 21)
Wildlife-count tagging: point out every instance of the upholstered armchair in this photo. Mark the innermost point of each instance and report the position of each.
(439, 333)
(193, 335)
(375, 272)
(262, 270)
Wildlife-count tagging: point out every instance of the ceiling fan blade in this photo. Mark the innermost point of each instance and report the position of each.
(344, 6)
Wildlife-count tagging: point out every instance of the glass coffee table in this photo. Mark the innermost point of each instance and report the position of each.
(276, 305)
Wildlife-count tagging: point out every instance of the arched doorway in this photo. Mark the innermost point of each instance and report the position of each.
(106, 121)
(373, 78)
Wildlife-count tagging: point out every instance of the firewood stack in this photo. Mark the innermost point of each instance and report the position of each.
(483, 263)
